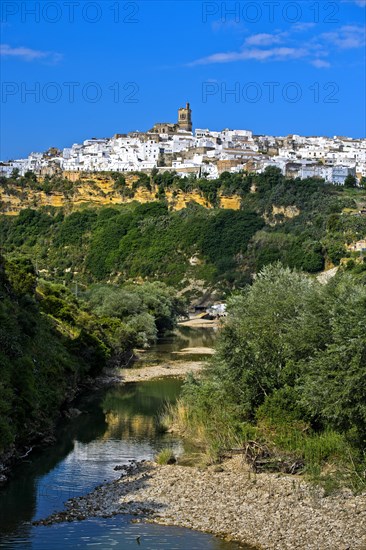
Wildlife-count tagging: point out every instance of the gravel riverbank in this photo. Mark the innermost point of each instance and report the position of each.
(266, 511)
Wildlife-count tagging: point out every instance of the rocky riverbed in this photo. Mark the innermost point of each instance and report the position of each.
(266, 511)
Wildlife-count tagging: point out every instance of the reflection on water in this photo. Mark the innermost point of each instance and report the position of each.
(119, 533)
(117, 425)
(183, 337)
(131, 412)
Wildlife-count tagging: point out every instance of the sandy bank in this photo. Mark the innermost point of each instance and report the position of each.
(195, 351)
(266, 511)
(196, 322)
(174, 368)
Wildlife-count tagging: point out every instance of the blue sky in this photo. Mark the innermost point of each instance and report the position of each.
(74, 69)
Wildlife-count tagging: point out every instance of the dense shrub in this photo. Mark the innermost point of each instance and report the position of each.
(291, 361)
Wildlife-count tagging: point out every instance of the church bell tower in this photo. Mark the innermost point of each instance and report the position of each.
(185, 118)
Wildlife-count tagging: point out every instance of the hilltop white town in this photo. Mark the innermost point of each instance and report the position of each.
(204, 152)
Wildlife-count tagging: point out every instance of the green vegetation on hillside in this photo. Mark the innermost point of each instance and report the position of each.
(149, 241)
(38, 366)
(132, 241)
(51, 342)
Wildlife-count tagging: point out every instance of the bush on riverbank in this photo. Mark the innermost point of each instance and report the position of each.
(165, 456)
(290, 372)
(148, 309)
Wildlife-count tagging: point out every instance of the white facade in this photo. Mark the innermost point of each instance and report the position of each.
(331, 174)
(329, 158)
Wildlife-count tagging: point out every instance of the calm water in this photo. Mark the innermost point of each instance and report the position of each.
(185, 337)
(117, 425)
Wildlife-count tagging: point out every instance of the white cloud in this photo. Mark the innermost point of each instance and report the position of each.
(360, 3)
(28, 54)
(301, 27)
(283, 46)
(264, 39)
(346, 37)
(320, 63)
(274, 54)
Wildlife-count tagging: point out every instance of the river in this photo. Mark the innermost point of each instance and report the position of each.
(117, 425)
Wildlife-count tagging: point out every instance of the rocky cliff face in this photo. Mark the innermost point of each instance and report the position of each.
(280, 214)
(98, 190)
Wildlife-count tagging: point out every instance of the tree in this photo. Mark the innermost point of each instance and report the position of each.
(334, 386)
(350, 181)
(21, 274)
(31, 176)
(120, 182)
(335, 249)
(225, 176)
(272, 325)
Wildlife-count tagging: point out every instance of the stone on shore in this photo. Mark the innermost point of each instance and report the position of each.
(268, 511)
